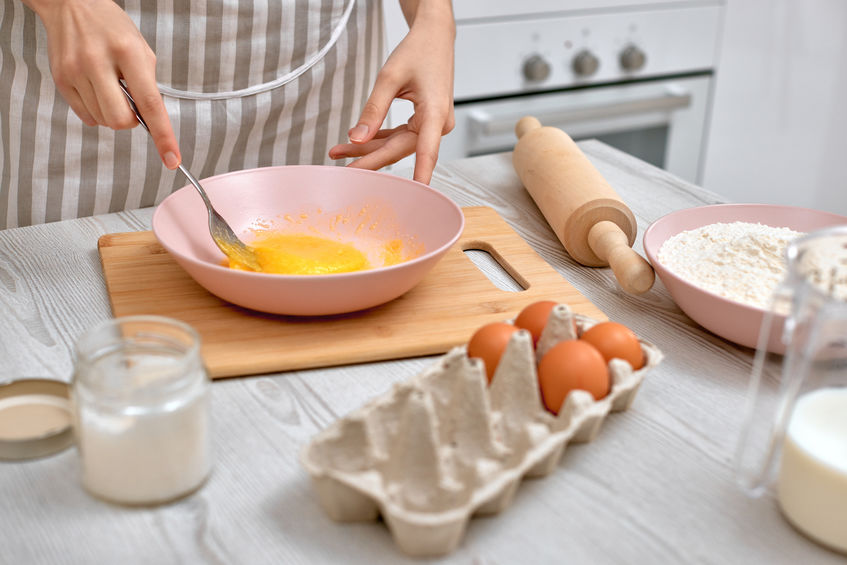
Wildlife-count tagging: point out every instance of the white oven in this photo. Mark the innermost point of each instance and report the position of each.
(632, 73)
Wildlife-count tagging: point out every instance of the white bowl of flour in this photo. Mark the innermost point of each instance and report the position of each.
(721, 263)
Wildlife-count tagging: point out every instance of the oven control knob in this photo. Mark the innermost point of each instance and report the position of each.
(632, 58)
(536, 68)
(585, 63)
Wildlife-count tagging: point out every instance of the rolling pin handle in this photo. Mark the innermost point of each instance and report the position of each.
(526, 125)
(611, 244)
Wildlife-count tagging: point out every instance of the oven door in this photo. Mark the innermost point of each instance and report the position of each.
(661, 122)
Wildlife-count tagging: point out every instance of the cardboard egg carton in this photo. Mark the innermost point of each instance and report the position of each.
(444, 446)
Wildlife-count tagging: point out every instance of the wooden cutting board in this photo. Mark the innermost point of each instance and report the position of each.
(442, 311)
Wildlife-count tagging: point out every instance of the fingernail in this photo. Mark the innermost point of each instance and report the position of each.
(171, 160)
(359, 132)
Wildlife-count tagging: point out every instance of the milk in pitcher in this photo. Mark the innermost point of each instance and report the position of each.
(812, 487)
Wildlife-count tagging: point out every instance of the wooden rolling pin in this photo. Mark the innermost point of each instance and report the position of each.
(589, 218)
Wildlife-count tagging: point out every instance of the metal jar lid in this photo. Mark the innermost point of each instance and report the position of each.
(35, 418)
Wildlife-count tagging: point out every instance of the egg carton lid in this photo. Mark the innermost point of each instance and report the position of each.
(445, 446)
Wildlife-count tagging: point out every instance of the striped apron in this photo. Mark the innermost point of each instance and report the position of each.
(246, 84)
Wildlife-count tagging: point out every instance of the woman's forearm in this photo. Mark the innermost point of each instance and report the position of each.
(436, 11)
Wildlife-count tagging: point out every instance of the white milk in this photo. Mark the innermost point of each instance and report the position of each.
(812, 488)
(149, 446)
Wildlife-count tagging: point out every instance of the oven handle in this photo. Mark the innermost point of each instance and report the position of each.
(483, 122)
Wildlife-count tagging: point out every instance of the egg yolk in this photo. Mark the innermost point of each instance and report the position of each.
(301, 254)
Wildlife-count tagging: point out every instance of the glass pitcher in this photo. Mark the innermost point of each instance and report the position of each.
(794, 434)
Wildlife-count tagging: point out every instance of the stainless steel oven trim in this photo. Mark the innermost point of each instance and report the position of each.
(487, 124)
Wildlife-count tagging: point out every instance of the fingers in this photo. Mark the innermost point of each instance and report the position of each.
(426, 149)
(389, 146)
(381, 152)
(138, 69)
(113, 109)
(150, 105)
(375, 110)
(346, 150)
(75, 101)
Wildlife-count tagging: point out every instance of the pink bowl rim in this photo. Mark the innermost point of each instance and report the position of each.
(651, 249)
(329, 276)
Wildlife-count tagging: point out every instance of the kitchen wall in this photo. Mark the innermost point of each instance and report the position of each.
(779, 122)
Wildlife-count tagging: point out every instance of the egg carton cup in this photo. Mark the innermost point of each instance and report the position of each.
(445, 446)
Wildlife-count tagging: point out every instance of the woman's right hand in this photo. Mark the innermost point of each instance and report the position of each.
(93, 43)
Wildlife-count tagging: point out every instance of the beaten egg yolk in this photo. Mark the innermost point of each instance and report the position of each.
(300, 254)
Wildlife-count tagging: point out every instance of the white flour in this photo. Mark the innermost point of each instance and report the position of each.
(740, 261)
(824, 264)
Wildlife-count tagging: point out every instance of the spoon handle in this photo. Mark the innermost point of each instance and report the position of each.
(133, 106)
(184, 171)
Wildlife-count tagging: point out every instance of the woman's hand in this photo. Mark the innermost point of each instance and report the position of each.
(93, 43)
(420, 69)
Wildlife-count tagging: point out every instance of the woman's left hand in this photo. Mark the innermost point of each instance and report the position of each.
(420, 70)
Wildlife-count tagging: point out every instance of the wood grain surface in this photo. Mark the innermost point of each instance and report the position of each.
(448, 305)
(656, 486)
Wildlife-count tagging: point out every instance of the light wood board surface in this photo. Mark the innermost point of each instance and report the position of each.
(656, 486)
(452, 301)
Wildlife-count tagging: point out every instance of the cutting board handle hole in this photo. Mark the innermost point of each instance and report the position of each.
(495, 269)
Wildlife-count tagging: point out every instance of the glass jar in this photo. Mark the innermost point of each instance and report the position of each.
(141, 409)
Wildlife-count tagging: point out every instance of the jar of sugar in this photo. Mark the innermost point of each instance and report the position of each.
(794, 437)
(141, 410)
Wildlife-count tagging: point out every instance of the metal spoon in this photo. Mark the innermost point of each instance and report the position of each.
(221, 232)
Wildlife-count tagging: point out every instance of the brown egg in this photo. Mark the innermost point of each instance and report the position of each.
(614, 340)
(533, 318)
(570, 365)
(488, 344)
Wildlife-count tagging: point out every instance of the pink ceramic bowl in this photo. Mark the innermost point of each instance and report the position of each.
(364, 207)
(729, 319)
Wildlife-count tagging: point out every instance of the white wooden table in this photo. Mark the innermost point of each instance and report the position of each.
(655, 487)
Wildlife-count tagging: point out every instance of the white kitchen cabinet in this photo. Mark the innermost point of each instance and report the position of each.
(779, 116)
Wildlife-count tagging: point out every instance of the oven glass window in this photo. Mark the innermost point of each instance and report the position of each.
(648, 144)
